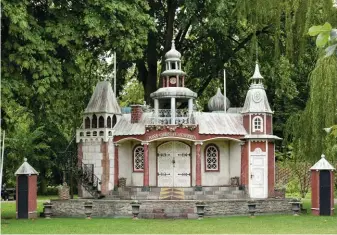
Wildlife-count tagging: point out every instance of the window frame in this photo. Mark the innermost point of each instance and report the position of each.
(217, 157)
(256, 118)
(133, 158)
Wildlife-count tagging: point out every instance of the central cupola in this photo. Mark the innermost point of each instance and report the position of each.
(173, 76)
(173, 102)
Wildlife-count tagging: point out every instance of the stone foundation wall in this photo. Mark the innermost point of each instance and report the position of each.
(167, 208)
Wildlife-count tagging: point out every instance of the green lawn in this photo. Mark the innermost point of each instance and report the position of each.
(237, 224)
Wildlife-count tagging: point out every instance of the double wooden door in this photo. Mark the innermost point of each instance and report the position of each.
(174, 164)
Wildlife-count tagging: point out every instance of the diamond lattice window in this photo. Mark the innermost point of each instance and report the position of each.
(212, 158)
(138, 158)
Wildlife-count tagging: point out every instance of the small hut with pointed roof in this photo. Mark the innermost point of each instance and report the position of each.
(26, 191)
(322, 187)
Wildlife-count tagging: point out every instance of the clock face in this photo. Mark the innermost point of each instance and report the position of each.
(173, 80)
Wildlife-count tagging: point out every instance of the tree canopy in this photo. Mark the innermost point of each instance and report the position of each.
(53, 53)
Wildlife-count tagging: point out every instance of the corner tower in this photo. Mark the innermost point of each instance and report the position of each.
(95, 142)
(258, 159)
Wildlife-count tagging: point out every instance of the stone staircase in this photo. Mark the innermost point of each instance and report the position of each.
(190, 193)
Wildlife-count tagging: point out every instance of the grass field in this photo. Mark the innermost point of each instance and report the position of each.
(237, 224)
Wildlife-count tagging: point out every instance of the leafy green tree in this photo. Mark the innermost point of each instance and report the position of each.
(51, 60)
(310, 140)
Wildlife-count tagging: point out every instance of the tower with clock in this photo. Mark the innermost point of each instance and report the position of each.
(173, 76)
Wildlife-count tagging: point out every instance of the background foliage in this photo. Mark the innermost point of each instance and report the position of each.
(54, 52)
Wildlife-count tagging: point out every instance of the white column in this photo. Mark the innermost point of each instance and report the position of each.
(156, 111)
(190, 109)
(173, 110)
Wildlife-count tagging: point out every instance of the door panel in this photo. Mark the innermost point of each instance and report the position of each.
(22, 197)
(165, 165)
(182, 167)
(325, 193)
(258, 176)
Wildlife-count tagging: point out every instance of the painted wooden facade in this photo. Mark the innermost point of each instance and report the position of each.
(171, 147)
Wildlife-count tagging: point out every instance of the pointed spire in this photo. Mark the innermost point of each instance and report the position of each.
(257, 74)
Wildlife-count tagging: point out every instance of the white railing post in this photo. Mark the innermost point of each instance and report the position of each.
(173, 110)
(156, 107)
(190, 110)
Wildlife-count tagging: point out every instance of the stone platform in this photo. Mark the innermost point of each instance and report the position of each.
(188, 193)
(168, 208)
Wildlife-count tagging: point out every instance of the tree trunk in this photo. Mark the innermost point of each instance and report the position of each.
(150, 84)
(171, 12)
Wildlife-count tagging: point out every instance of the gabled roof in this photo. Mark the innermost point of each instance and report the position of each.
(103, 100)
(322, 164)
(209, 123)
(26, 169)
(220, 123)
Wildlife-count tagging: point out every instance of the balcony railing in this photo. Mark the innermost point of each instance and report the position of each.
(165, 117)
(102, 133)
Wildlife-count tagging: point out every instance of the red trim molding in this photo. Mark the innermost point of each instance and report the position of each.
(146, 165)
(116, 168)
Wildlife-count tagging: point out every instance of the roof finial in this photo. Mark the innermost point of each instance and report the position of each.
(322, 156)
(25, 159)
(257, 51)
(257, 74)
(173, 46)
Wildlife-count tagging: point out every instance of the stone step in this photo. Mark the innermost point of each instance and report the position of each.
(154, 193)
(238, 192)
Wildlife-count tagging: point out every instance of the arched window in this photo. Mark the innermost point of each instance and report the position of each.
(257, 124)
(101, 122)
(114, 120)
(108, 122)
(212, 158)
(138, 158)
(87, 123)
(94, 121)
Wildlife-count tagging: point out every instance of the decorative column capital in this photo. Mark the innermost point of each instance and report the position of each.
(117, 145)
(242, 143)
(198, 142)
(145, 143)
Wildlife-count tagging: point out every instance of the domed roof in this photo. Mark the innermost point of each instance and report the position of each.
(173, 53)
(216, 103)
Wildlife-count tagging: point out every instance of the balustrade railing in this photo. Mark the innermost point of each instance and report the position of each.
(165, 117)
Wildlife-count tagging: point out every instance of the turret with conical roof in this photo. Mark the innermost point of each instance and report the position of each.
(257, 114)
(101, 114)
(256, 99)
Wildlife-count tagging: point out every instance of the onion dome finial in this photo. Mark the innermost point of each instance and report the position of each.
(216, 103)
(173, 53)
